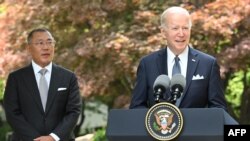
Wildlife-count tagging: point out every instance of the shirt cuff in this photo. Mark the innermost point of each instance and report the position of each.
(54, 136)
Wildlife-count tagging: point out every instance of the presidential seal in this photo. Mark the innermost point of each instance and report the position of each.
(164, 121)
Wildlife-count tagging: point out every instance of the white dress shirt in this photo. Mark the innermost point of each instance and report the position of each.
(183, 61)
(36, 69)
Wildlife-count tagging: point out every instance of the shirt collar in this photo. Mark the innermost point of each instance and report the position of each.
(37, 68)
(182, 56)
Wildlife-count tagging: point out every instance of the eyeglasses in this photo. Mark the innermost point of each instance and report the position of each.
(47, 43)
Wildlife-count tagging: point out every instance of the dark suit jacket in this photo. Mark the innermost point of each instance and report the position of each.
(207, 92)
(24, 110)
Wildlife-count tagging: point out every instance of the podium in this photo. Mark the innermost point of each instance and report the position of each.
(200, 124)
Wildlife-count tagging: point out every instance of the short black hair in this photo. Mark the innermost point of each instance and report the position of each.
(34, 31)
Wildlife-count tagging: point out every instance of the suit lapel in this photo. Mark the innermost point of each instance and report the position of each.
(162, 67)
(161, 62)
(31, 84)
(54, 81)
(193, 62)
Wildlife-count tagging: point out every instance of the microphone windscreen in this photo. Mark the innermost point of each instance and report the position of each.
(178, 79)
(162, 81)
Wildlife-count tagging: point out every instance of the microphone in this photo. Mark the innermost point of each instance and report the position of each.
(177, 85)
(160, 86)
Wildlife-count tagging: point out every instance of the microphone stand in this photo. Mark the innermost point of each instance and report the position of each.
(174, 96)
(158, 95)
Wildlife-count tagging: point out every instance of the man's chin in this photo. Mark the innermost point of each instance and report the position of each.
(180, 47)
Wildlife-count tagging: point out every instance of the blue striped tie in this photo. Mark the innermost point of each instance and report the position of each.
(177, 70)
(176, 67)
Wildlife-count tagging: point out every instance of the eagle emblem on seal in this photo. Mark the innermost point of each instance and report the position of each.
(164, 121)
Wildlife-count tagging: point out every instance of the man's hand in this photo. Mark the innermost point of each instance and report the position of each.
(44, 138)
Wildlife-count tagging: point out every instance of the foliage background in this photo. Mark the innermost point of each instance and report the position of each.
(102, 41)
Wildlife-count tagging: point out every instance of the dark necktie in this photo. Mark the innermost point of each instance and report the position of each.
(43, 87)
(177, 70)
(176, 67)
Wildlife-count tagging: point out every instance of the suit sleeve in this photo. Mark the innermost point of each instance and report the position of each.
(139, 94)
(216, 96)
(13, 111)
(73, 110)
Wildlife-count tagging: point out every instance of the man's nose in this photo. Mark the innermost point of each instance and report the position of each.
(181, 32)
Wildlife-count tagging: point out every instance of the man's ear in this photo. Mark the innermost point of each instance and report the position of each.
(163, 31)
(55, 48)
(27, 47)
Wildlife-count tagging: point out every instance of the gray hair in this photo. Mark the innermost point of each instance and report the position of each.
(173, 9)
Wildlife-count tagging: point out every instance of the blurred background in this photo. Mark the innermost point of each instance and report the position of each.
(102, 41)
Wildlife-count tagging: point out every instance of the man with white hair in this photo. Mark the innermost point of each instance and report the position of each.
(201, 71)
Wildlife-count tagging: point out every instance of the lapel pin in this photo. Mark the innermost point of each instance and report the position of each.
(193, 60)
